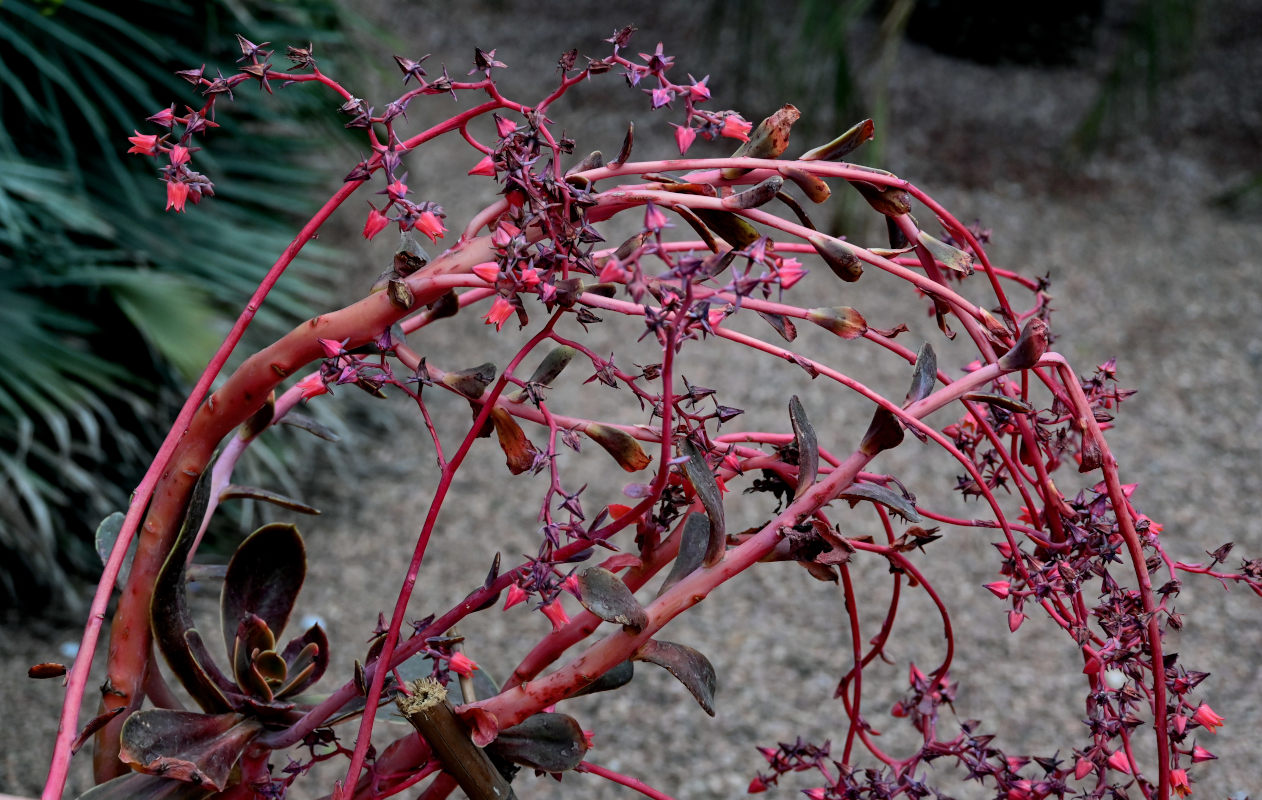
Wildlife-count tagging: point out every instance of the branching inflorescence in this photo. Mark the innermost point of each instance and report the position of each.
(1089, 561)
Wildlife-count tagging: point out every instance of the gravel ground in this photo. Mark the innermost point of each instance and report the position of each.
(1143, 268)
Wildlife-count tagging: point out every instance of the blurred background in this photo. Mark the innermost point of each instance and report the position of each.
(1116, 146)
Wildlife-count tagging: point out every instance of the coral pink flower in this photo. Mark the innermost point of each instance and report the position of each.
(698, 91)
(430, 225)
(177, 195)
(1120, 762)
(1083, 768)
(757, 785)
(530, 277)
(654, 218)
(685, 135)
(612, 272)
(504, 233)
(999, 589)
(789, 272)
(488, 272)
(1206, 717)
(500, 311)
(312, 386)
(1179, 782)
(735, 128)
(484, 167)
(504, 127)
(461, 664)
(164, 117)
(331, 347)
(143, 143)
(376, 222)
(179, 155)
(556, 615)
(516, 595)
(1200, 754)
(396, 189)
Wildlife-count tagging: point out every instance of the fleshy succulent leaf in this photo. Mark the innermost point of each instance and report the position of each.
(698, 473)
(264, 577)
(892, 500)
(550, 742)
(308, 658)
(605, 595)
(807, 446)
(139, 786)
(198, 748)
(692, 547)
(692, 669)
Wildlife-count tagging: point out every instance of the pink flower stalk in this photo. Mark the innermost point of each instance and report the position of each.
(430, 225)
(500, 311)
(556, 615)
(376, 222)
(145, 144)
(312, 386)
(1206, 717)
(177, 195)
(461, 664)
(685, 135)
(485, 167)
(735, 128)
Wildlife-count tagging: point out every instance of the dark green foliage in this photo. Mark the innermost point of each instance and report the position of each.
(109, 306)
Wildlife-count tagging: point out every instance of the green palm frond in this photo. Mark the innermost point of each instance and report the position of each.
(107, 303)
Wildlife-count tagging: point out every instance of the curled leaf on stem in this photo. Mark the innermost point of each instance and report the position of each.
(807, 446)
(843, 145)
